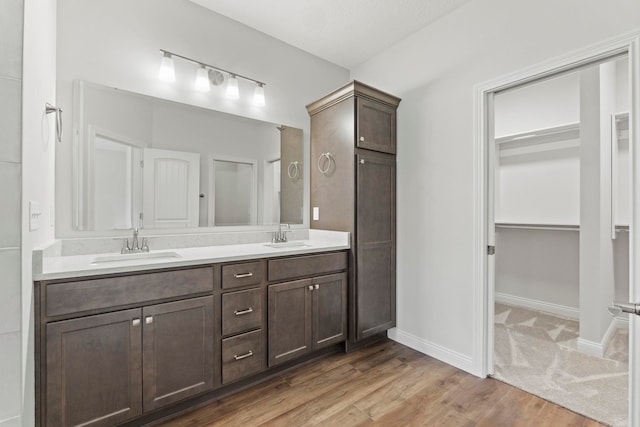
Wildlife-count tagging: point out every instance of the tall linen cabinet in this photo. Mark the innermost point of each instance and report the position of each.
(353, 188)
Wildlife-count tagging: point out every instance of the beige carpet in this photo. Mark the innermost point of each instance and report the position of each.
(537, 352)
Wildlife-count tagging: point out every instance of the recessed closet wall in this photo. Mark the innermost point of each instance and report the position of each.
(537, 197)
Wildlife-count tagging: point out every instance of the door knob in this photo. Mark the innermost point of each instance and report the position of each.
(624, 307)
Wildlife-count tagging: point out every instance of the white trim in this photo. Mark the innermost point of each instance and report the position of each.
(436, 351)
(482, 329)
(532, 304)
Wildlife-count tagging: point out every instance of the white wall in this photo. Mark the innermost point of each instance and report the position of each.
(11, 24)
(38, 153)
(435, 71)
(116, 43)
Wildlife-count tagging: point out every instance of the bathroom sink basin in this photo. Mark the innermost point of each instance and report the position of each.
(296, 244)
(130, 257)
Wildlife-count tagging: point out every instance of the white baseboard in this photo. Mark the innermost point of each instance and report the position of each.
(10, 422)
(436, 351)
(548, 307)
(598, 348)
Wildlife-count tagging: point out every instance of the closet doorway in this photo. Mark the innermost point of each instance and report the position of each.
(557, 208)
(561, 213)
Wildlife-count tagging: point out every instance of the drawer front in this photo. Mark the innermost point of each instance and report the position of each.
(98, 294)
(241, 311)
(242, 356)
(309, 265)
(244, 274)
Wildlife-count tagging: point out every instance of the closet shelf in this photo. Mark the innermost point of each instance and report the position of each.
(551, 134)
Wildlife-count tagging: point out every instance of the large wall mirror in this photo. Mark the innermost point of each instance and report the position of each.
(145, 162)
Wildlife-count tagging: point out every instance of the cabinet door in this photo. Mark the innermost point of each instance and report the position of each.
(376, 251)
(178, 350)
(289, 320)
(329, 310)
(376, 124)
(93, 372)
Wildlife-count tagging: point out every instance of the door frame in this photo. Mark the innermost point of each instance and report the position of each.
(483, 273)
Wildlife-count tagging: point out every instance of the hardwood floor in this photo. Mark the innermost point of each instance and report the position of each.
(387, 384)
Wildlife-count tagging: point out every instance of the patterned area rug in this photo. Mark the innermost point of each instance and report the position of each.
(537, 352)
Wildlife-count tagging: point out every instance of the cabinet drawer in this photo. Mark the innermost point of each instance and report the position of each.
(244, 274)
(310, 265)
(242, 355)
(241, 311)
(108, 293)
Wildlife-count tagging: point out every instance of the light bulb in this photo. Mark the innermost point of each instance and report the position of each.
(202, 79)
(258, 95)
(167, 72)
(232, 88)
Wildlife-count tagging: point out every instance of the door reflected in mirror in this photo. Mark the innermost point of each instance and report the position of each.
(145, 162)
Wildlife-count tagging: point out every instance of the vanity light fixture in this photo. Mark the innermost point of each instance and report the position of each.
(232, 87)
(202, 79)
(258, 95)
(167, 72)
(208, 75)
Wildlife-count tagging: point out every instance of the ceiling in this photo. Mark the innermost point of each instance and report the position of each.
(345, 32)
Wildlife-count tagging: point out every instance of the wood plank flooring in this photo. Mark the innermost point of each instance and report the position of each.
(386, 384)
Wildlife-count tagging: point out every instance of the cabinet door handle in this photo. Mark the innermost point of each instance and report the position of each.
(362, 139)
(362, 161)
(241, 312)
(148, 320)
(317, 287)
(243, 356)
(135, 322)
(242, 275)
(310, 287)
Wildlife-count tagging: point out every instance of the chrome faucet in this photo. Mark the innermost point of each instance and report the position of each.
(135, 246)
(280, 236)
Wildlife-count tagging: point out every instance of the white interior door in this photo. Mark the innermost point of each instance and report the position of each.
(171, 185)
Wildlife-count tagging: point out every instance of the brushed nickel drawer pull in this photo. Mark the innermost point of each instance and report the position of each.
(241, 312)
(135, 322)
(243, 356)
(148, 320)
(362, 138)
(317, 287)
(242, 275)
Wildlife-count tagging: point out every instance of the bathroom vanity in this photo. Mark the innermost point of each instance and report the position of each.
(123, 340)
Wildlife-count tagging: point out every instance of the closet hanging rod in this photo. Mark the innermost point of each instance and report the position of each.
(557, 227)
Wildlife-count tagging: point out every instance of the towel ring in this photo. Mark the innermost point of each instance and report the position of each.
(294, 170)
(329, 158)
(52, 109)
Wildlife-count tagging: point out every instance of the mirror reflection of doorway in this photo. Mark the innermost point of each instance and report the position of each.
(561, 211)
(234, 192)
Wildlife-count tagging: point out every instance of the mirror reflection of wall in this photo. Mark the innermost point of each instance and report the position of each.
(291, 181)
(115, 129)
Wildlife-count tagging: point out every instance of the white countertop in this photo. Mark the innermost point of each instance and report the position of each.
(61, 267)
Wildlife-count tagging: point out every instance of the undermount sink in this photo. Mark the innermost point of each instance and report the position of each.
(295, 244)
(130, 257)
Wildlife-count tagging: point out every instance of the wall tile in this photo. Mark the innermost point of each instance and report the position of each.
(10, 205)
(11, 19)
(10, 391)
(9, 290)
(10, 118)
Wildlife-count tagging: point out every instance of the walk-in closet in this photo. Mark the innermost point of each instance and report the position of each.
(561, 211)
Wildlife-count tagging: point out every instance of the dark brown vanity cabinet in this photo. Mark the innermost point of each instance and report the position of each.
(309, 311)
(106, 368)
(243, 320)
(353, 188)
(306, 315)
